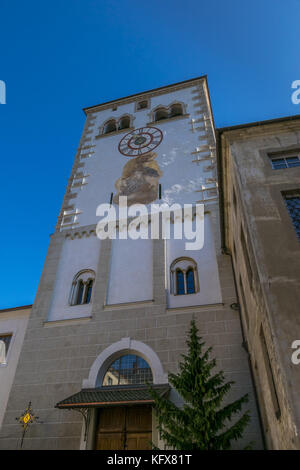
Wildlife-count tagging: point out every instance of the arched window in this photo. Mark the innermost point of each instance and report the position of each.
(128, 369)
(88, 292)
(180, 282)
(82, 287)
(176, 110)
(124, 123)
(80, 292)
(168, 112)
(184, 277)
(161, 113)
(110, 126)
(190, 281)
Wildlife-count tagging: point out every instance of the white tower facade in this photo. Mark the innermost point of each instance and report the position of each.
(110, 314)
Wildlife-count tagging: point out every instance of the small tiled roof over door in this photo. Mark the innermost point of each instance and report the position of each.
(108, 396)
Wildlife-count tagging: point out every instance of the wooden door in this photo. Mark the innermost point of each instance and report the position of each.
(124, 428)
(138, 428)
(110, 434)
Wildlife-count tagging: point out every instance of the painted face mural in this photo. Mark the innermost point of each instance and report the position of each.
(139, 180)
(140, 176)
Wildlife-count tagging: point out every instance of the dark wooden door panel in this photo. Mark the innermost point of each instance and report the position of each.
(139, 441)
(121, 428)
(112, 419)
(139, 419)
(107, 441)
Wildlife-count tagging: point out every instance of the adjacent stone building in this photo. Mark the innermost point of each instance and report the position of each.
(259, 176)
(13, 324)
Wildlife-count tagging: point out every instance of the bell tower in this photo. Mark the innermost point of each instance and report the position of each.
(112, 313)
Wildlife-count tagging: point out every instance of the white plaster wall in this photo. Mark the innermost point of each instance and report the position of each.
(77, 254)
(14, 322)
(131, 264)
(210, 291)
(130, 278)
(181, 177)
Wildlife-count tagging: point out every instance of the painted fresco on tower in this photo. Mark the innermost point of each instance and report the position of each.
(140, 176)
(139, 180)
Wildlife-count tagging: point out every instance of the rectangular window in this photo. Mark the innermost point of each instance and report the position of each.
(4, 346)
(142, 104)
(292, 201)
(280, 161)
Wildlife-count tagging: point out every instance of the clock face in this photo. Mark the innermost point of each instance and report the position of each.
(140, 141)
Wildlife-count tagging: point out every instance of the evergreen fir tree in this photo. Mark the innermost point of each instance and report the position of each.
(202, 423)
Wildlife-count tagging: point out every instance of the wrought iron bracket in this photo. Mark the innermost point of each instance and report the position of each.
(86, 418)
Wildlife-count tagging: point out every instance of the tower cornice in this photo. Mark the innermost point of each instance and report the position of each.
(145, 94)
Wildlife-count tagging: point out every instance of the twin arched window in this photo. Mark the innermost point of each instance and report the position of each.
(184, 277)
(175, 109)
(114, 125)
(82, 287)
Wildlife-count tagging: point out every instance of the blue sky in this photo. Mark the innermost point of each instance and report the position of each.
(60, 56)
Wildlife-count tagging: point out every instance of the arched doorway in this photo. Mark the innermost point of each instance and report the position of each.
(115, 400)
(126, 427)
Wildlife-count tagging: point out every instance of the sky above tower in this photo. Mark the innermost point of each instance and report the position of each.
(60, 56)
